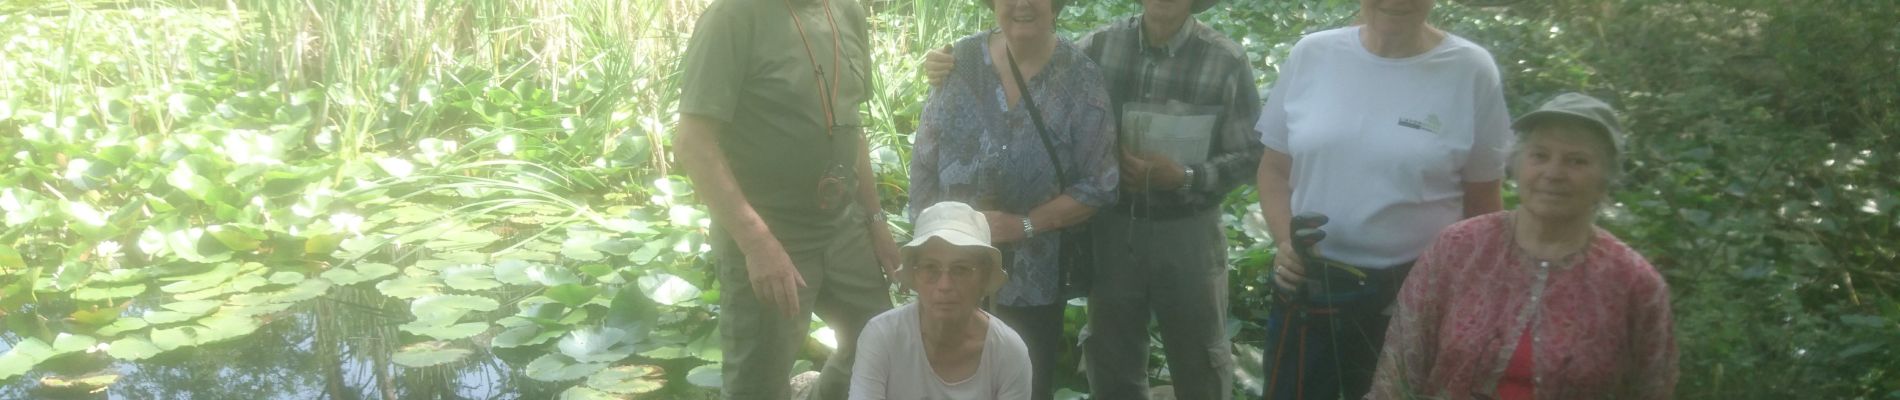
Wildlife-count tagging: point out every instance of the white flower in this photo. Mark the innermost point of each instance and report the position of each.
(348, 222)
(107, 250)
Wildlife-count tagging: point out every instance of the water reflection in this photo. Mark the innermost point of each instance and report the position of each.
(334, 347)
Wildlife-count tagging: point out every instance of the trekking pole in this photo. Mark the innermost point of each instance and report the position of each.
(1306, 234)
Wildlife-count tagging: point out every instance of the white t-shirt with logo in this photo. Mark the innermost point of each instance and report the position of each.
(891, 363)
(1382, 146)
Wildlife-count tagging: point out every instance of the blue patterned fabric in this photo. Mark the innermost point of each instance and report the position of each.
(971, 146)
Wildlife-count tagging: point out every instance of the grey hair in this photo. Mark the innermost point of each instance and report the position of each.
(1612, 168)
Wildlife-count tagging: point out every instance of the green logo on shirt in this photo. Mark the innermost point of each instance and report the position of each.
(1431, 124)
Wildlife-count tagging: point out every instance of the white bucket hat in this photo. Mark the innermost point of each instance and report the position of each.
(959, 225)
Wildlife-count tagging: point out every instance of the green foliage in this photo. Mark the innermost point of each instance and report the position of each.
(497, 174)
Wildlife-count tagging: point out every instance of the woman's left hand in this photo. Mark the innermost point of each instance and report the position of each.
(1005, 227)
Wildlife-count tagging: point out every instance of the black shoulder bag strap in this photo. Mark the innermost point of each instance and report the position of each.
(1074, 277)
(1029, 102)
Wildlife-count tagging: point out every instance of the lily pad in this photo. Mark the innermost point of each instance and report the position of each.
(513, 272)
(201, 281)
(68, 343)
(103, 293)
(445, 331)
(409, 287)
(586, 393)
(159, 317)
(470, 277)
(361, 273)
(286, 278)
(709, 376)
(668, 289)
(119, 276)
(552, 275)
(10, 258)
(629, 379)
(449, 308)
(596, 345)
(306, 290)
(573, 294)
(558, 368)
(244, 283)
(122, 325)
(581, 248)
(234, 238)
(24, 356)
(256, 309)
(427, 354)
(618, 247)
(132, 348)
(169, 339)
(521, 336)
(69, 275)
(195, 308)
(225, 325)
(462, 239)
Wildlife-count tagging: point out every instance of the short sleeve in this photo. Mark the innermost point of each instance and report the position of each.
(870, 371)
(1491, 135)
(1013, 372)
(1094, 148)
(1272, 122)
(714, 67)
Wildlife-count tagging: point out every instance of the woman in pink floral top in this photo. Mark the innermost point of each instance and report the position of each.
(1536, 303)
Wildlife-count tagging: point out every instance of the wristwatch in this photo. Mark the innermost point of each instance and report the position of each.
(1187, 178)
(1029, 228)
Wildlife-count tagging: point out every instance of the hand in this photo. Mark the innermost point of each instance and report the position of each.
(887, 253)
(1288, 271)
(1150, 171)
(774, 279)
(937, 65)
(1134, 172)
(1004, 227)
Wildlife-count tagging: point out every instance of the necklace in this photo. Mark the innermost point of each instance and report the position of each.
(1569, 257)
(829, 92)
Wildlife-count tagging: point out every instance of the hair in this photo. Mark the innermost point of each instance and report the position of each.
(1612, 167)
(1055, 6)
(909, 258)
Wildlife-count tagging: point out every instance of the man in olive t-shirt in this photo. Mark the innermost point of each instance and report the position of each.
(770, 134)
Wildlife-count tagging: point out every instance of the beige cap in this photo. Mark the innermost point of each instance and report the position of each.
(959, 225)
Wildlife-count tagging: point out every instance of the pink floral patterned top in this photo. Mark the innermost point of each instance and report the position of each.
(1600, 321)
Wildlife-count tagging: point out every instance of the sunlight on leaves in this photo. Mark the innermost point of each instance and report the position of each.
(556, 368)
(668, 289)
(629, 379)
(427, 354)
(596, 344)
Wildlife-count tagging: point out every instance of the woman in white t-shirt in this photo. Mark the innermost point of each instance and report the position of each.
(1394, 130)
(944, 346)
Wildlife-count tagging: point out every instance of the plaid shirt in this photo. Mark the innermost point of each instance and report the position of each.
(1199, 66)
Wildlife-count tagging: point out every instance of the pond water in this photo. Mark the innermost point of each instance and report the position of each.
(337, 346)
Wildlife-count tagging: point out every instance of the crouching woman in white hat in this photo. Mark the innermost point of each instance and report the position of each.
(943, 345)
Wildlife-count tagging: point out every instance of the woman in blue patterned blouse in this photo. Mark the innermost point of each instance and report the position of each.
(977, 143)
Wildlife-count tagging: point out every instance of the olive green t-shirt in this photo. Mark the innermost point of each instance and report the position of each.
(747, 66)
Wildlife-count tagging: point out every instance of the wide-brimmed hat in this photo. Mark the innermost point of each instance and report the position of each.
(1577, 107)
(1199, 5)
(959, 225)
(1055, 6)
(1203, 5)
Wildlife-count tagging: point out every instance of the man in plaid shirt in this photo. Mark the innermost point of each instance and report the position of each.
(1160, 250)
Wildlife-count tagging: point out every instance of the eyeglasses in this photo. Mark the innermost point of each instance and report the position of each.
(957, 273)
